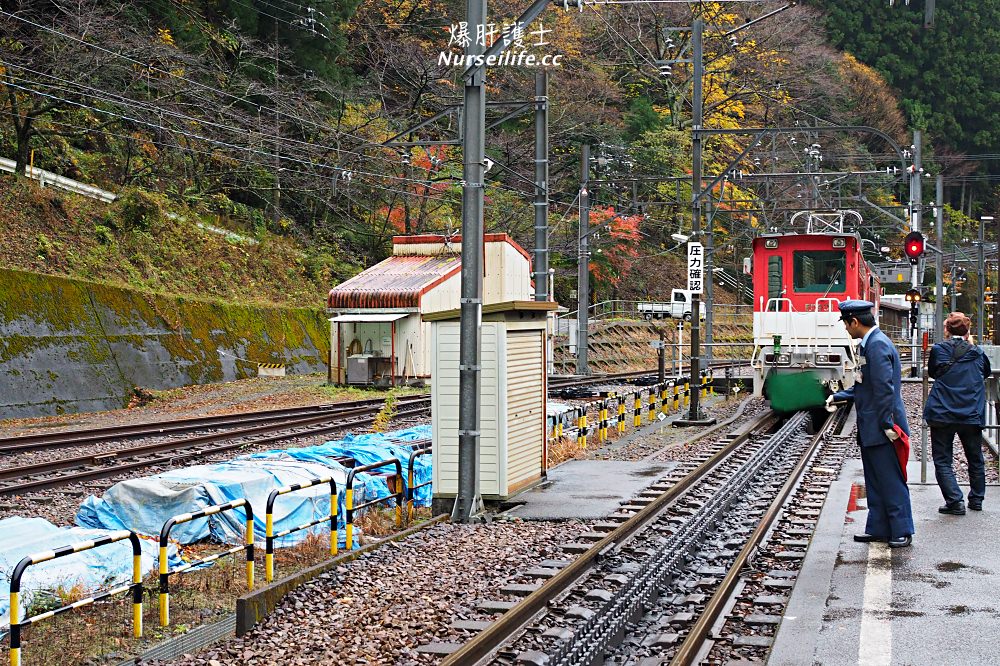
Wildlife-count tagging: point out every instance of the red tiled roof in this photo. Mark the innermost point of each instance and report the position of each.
(438, 238)
(397, 282)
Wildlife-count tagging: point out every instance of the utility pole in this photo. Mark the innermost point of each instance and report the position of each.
(277, 132)
(996, 297)
(939, 259)
(694, 414)
(954, 289)
(468, 501)
(981, 274)
(916, 203)
(542, 186)
(709, 279)
(583, 265)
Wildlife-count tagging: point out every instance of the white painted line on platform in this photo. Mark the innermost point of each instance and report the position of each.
(875, 646)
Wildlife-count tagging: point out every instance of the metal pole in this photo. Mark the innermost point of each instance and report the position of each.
(996, 296)
(954, 289)
(662, 359)
(916, 202)
(583, 265)
(939, 259)
(694, 414)
(468, 501)
(981, 272)
(709, 280)
(541, 186)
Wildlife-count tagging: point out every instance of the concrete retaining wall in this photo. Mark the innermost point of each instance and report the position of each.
(69, 345)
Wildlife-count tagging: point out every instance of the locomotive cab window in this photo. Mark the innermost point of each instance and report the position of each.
(820, 271)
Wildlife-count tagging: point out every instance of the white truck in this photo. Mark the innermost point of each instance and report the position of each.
(679, 307)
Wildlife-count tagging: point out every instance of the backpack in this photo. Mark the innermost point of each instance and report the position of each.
(961, 348)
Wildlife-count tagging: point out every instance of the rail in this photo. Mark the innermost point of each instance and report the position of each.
(165, 571)
(695, 639)
(270, 536)
(17, 624)
(493, 636)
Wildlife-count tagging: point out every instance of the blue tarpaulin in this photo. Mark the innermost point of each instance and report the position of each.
(90, 570)
(146, 504)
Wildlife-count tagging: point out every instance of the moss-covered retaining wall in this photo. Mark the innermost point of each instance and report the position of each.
(68, 345)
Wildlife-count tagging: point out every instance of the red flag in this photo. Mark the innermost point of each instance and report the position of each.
(902, 444)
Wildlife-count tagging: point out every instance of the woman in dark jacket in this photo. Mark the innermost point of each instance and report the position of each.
(957, 405)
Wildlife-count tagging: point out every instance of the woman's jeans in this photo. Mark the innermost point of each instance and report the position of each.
(942, 439)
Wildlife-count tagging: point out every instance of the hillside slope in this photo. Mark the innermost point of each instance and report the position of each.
(142, 242)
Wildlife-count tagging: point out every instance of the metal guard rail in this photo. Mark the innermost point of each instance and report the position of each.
(269, 535)
(188, 517)
(410, 488)
(660, 399)
(135, 587)
(349, 496)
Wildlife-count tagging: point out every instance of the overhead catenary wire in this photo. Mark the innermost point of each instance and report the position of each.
(152, 68)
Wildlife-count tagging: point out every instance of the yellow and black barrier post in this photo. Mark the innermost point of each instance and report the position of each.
(165, 571)
(664, 406)
(677, 397)
(270, 536)
(602, 423)
(349, 495)
(135, 587)
(621, 414)
(637, 410)
(652, 404)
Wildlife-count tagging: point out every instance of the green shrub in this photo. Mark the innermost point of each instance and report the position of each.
(104, 235)
(135, 210)
(46, 248)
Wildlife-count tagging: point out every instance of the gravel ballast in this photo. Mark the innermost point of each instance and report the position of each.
(381, 607)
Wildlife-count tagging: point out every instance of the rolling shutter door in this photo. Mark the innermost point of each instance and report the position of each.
(525, 402)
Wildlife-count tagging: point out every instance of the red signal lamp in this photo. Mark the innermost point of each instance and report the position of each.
(913, 246)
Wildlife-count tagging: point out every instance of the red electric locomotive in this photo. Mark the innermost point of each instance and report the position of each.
(801, 349)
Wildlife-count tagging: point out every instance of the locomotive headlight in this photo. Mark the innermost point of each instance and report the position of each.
(822, 358)
(771, 243)
(784, 359)
(840, 242)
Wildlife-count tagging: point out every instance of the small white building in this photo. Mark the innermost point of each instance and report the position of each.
(513, 404)
(376, 330)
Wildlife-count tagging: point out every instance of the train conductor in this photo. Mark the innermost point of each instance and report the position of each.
(881, 421)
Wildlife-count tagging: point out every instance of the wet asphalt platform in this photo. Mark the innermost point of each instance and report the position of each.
(934, 603)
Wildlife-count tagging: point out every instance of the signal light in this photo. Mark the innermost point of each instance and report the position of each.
(912, 296)
(913, 246)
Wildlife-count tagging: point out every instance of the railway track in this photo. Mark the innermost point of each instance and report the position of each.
(21, 479)
(556, 382)
(649, 581)
(62, 439)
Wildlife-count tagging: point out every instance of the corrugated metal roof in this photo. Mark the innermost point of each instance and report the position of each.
(396, 282)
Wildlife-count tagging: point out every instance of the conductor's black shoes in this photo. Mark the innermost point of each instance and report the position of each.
(868, 538)
(901, 542)
(956, 509)
(975, 506)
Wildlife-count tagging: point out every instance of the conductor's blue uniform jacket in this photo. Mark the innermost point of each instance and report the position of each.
(879, 405)
(958, 395)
